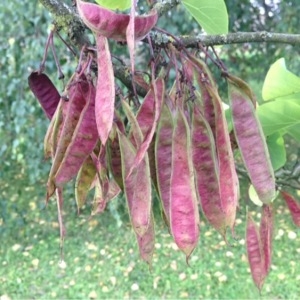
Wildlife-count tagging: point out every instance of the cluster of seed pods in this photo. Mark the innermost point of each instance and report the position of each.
(177, 142)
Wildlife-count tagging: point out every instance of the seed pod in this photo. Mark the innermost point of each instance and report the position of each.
(52, 132)
(105, 94)
(229, 188)
(146, 243)
(184, 216)
(45, 92)
(163, 155)
(255, 253)
(266, 236)
(157, 92)
(206, 170)
(293, 206)
(203, 78)
(251, 142)
(113, 25)
(137, 187)
(84, 181)
(83, 141)
(76, 104)
(114, 157)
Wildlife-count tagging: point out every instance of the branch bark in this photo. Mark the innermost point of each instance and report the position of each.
(161, 39)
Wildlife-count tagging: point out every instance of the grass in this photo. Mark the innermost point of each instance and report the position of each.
(101, 259)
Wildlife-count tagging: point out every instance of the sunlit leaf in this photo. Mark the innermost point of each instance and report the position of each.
(281, 83)
(277, 151)
(115, 4)
(211, 15)
(278, 115)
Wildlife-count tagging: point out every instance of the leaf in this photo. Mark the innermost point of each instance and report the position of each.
(115, 4)
(211, 15)
(280, 82)
(253, 196)
(278, 115)
(277, 151)
(294, 131)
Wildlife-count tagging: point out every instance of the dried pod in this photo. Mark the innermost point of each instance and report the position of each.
(293, 206)
(84, 181)
(206, 170)
(77, 101)
(184, 215)
(105, 94)
(83, 141)
(114, 25)
(255, 253)
(45, 91)
(266, 236)
(251, 142)
(137, 186)
(163, 155)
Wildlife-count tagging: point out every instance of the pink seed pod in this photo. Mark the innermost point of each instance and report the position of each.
(157, 93)
(45, 92)
(266, 236)
(163, 155)
(229, 185)
(293, 206)
(114, 25)
(255, 253)
(77, 101)
(146, 243)
(84, 140)
(105, 90)
(184, 215)
(206, 170)
(137, 186)
(251, 142)
(203, 78)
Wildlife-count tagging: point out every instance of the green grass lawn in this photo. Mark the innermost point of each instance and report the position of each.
(101, 259)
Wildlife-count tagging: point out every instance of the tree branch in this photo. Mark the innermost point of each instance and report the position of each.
(161, 39)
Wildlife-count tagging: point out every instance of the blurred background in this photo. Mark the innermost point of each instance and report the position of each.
(101, 258)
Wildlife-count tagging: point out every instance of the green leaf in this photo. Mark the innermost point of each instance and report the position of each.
(277, 151)
(278, 115)
(115, 4)
(294, 132)
(211, 15)
(281, 83)
(253, 196)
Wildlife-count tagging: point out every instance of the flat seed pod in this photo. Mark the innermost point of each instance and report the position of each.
(251, 142)
(255, 253)
(184, 215)
(293, 206)
(203, 78)
(114, 157)
(137, 187)
(163, 155)
(206, 170)
(157, 92)
(45, 92)
(114, 25)
(266, 236)
(229, 186)
(84, 180)
(83, 141)
(52, 131)
(77, 101)
(105, 93)
(146, 243)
